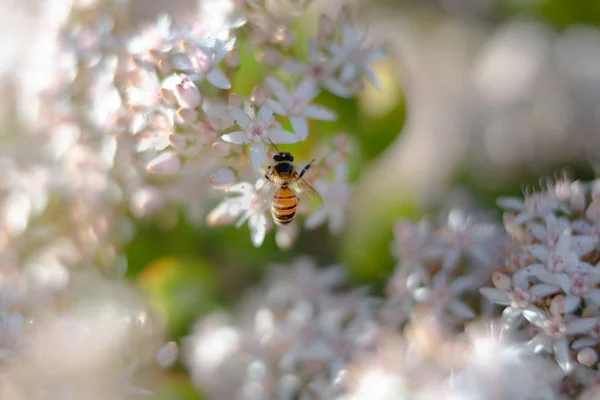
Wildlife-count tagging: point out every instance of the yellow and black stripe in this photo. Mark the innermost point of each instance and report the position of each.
(284, 205)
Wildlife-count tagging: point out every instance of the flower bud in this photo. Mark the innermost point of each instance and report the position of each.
(258, 95)
(234, 101)
(187, 115)
(166, 163)
(168, 96)
(187, 93)
(221, 149)
(587, 357)
(232, 59)
(167, 354)
(223, 178)
(501, 281)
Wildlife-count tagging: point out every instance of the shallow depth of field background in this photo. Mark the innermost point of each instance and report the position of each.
(479, 98)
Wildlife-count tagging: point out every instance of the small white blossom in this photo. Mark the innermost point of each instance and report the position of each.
(258, 130)
(296, 105)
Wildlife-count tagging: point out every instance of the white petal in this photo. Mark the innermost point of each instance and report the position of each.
(422, 295)
(461, 310)
(320, 113)
(293, 66)
(581, 325)
(372, 77)
(593, 295)
(511, 203)
(307, 90)
(238, 137)
(166, 163)
(277, 107)
(278, 88)
(495, 296)
(240, 117)
(543, 290)
(584, 342)
(571, 303)
(459, 285)
(535, 316)
(563, 281)
(281, 136)
(348, 72)
(450, 259)
(583, 244)
(337, 88)
(300, 126)
(218, 79)
(258, 229)
(561, 353)
(265, 114)
(257, 154)
(540, 252)
(540, 343)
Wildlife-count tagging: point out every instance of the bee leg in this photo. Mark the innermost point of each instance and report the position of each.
(305, 169)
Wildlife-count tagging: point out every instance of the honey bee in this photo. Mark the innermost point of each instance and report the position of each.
(285, 187)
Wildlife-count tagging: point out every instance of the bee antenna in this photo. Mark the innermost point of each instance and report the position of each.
(273, 144)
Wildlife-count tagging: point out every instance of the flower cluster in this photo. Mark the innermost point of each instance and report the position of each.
(189, 122)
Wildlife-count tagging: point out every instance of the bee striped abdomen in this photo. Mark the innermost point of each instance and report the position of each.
(284, 205)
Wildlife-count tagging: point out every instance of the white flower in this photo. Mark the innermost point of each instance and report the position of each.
(442, 295)
(535, 205)
(296, 105)
(355, 58)
(242, 209)
(203, 59)
(320, 70)
(258, 130)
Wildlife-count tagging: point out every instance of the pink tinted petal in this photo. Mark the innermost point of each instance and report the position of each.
(239, 137)
(495, 296)
(223, 178)
(167, 354)
(240, 117)
(218, 79)
(521, 218)
(320, 113)
(257, 154)
(563, 281)
(166, 163)
(282, 136)
(278, 88)
(300, 126)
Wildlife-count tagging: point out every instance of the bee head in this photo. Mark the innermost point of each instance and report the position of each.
(283, 156)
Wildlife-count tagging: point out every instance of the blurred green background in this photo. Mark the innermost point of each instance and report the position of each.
(188, 271)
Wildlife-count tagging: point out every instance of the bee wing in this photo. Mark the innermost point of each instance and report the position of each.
(263, 198)
(308, 197)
